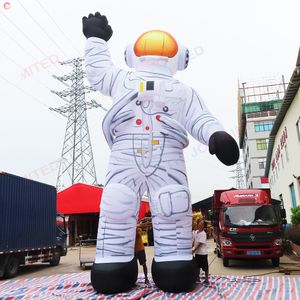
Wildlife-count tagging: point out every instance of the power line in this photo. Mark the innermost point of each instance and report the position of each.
(40, 50)
(32, 96)
(87, 172)
(39, 25)
(19, 66)
(23, 49)
(94, 104)
(57, 26)
(71, 43)
(22, 90)
(26, 51)
(27, 37)
(20, 30)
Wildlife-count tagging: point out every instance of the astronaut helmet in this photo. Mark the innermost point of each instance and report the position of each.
(155, 50)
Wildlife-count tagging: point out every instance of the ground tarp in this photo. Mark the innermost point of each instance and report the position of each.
(78, 286)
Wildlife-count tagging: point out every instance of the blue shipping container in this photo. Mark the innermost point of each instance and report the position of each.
(27, 214)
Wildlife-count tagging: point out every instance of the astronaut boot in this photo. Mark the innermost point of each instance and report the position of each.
(111, 278)
(175, 276)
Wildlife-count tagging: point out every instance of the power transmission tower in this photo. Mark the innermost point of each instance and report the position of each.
(239, 175)
(77, 164)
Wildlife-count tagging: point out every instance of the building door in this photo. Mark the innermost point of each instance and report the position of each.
(293, 195)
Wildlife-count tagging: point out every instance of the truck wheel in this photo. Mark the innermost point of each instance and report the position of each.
(12, 266)
(54, 261)
(275, 262)
(225, 262)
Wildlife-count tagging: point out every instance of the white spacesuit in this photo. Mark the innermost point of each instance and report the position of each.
(147, 131)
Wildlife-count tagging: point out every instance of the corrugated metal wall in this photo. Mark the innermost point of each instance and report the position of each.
(27, 213)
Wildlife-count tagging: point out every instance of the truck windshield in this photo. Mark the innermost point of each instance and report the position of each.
(250, 215)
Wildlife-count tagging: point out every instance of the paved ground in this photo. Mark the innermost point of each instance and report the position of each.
(70, 264)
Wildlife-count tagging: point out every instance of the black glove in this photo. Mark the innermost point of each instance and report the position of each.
(225, 147)
(96, 26)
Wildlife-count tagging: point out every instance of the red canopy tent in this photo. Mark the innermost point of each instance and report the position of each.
(82, 198)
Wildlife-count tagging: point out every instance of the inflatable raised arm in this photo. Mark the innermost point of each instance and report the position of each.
(146, 129)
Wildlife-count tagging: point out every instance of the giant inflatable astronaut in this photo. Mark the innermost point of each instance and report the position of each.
(146, 129)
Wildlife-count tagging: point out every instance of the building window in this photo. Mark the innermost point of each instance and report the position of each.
(286, 152)
(262, 163)
(293, 195)
(261, 144)
(298, 128)
(263, 126)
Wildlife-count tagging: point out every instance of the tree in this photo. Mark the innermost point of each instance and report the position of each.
(295, 218)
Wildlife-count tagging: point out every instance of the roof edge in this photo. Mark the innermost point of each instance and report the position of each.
(288, 98)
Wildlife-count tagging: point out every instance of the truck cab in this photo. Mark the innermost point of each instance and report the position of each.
(60, 248)
(247, 225)
(61, 235)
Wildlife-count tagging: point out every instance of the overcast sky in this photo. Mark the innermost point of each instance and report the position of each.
(229, 41)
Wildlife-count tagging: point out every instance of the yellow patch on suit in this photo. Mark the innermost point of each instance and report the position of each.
(141, 151)
(141, 86)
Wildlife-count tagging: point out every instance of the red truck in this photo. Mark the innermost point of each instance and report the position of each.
(247, 225)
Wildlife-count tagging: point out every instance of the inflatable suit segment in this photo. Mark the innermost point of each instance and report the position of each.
(146, 129)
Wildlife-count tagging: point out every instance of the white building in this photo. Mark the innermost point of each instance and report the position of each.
(283, 157)
(258, 105)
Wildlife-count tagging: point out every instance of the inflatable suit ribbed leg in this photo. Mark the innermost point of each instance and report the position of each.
(173, 267)
(115, 269)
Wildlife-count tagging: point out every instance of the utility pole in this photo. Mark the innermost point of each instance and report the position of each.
(77, 163)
